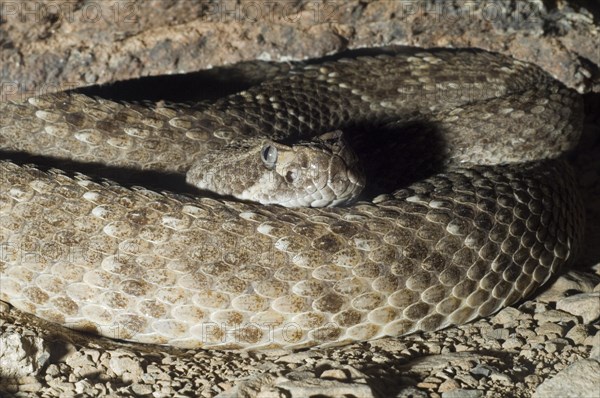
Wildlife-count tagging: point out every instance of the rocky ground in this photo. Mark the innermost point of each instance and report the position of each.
(547, 347)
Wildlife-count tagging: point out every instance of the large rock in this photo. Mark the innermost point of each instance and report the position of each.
(579, 380)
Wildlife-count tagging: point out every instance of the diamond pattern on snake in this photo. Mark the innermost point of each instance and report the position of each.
(352, 199)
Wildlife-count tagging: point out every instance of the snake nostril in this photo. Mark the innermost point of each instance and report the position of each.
(291, 175)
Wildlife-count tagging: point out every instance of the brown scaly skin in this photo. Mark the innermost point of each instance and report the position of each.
(197, 272)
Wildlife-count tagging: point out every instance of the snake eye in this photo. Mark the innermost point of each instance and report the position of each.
(268, 154)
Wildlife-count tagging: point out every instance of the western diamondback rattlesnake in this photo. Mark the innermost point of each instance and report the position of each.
(164, 268)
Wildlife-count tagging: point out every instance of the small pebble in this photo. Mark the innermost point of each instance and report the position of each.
(460, 393)
(513, 343)
(448, 385)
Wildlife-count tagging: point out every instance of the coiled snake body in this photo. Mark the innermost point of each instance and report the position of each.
(163, 268)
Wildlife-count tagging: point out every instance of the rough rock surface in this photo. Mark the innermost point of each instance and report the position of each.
(577, 380)
(49, 45)
(543, 346)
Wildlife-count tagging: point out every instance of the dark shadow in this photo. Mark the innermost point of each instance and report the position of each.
(197, 86)
(589, 150)
(124, 176)
(220, 81)
(398, 154)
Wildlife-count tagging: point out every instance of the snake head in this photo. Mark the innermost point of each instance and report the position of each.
(318, 173)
